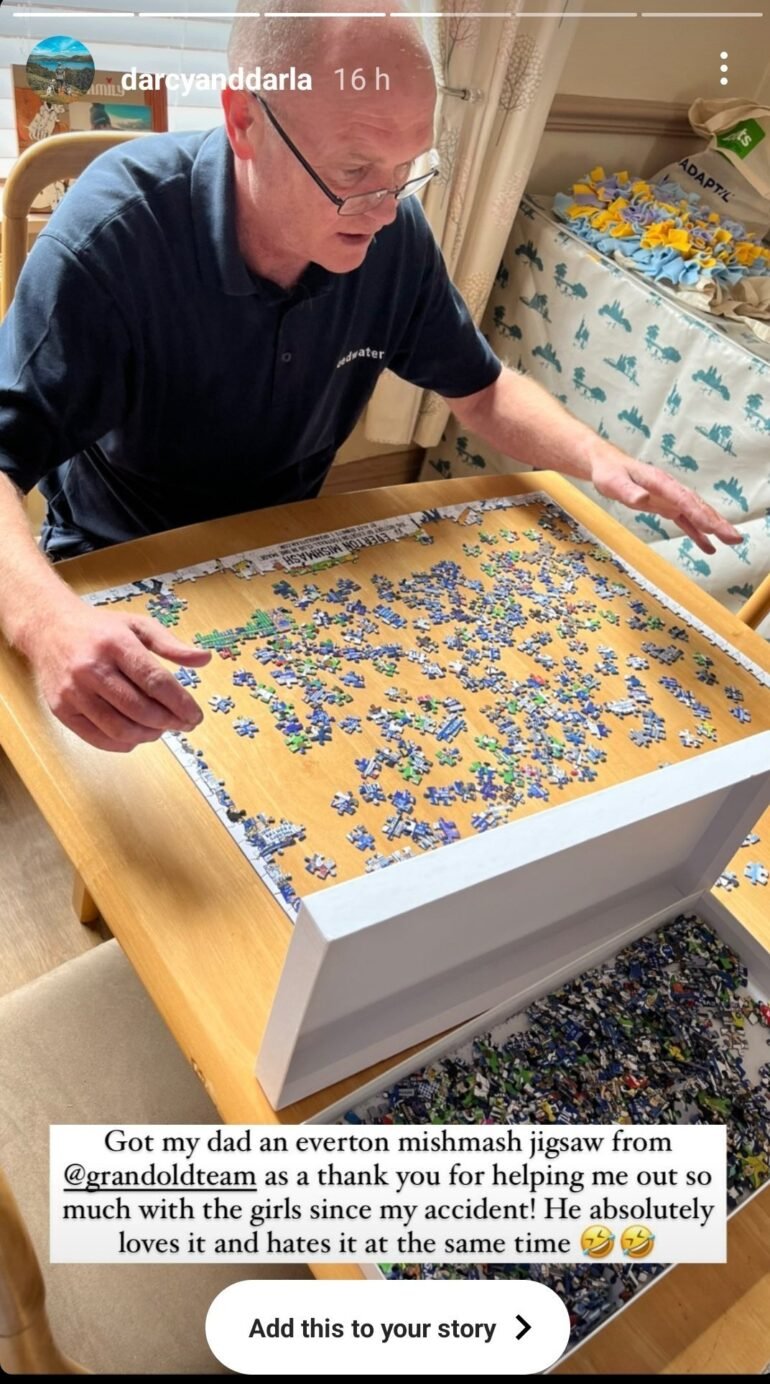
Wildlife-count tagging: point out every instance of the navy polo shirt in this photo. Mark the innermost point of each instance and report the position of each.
(149, 379)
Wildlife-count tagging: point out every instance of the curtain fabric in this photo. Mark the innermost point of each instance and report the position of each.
(510, 69)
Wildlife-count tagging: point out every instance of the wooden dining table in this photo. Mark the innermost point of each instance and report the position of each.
(208, 942)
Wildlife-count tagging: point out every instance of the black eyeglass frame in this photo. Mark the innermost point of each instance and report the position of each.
(398, 192)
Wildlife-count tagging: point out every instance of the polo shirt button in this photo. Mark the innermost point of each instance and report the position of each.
(286, 357)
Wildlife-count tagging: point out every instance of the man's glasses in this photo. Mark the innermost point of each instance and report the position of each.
(422, 171)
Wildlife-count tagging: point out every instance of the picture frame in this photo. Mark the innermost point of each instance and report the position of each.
(41, 113)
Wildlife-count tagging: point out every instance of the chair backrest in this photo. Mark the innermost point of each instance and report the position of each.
(26, 1343)
(60, 157)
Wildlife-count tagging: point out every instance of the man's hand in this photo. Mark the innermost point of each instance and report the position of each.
(644, 487)
(522, 420)
(96, 671)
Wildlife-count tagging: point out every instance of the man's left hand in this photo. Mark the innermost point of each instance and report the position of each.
(522, 420)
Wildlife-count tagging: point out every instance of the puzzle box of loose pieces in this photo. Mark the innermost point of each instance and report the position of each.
(674, 1027)
(546, 754)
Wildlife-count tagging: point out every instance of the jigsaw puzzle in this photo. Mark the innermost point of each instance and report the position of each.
(388, 689)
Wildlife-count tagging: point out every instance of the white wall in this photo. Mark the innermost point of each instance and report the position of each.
(668, 59)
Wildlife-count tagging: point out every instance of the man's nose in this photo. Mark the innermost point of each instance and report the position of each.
(384, 214)
(389, 210)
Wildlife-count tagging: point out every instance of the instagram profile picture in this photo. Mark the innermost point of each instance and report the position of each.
(60, 68)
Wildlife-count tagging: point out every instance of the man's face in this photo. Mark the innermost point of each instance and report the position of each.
(356, 144)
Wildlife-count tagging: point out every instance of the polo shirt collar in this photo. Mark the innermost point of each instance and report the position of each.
(221, 263)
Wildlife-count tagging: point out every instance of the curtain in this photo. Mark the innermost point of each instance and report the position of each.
(507, 71)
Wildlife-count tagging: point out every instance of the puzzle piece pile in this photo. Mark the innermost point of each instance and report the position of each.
(658, 1035)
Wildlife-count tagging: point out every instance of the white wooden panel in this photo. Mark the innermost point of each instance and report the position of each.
(224, 8)
(201, 35)
(184, 117)
(8, 143)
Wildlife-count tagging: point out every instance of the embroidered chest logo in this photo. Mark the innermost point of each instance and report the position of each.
(365, 351)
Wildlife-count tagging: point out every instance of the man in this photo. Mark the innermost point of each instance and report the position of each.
(203, 322)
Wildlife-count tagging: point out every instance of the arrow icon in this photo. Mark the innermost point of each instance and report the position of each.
(525, 1327)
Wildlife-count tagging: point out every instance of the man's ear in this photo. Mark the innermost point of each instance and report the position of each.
(244, 123)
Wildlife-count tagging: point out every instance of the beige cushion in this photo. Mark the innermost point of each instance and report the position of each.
(84, 1044)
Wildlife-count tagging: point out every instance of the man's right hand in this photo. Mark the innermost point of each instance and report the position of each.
(96, 671)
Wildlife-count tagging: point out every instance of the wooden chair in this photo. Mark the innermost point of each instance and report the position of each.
(59, 158)
(84, 1044)
(757, 607)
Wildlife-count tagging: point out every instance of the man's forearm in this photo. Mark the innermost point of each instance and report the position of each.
(29, 588)
(521, 419)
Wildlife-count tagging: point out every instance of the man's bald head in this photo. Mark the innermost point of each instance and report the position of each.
(321, 44)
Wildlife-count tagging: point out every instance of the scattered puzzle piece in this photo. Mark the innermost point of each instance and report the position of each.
(223, 704)
(188, 677)
(320, 866)
(245, 727)
(361, 838)
(728, 880)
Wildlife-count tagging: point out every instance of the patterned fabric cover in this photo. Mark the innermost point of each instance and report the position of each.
(659, 381)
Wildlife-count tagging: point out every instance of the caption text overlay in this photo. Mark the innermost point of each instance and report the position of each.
(373, 1193)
